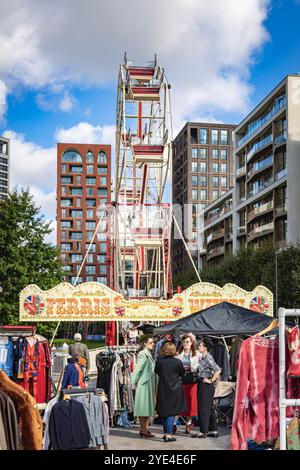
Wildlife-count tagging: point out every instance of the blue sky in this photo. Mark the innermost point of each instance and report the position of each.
(58, 77)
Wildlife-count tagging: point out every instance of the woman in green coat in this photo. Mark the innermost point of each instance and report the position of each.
(143, 378)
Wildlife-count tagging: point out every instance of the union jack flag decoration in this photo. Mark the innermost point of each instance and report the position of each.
(34, 304)
(177, 311)
(120, 311)
(259, 304)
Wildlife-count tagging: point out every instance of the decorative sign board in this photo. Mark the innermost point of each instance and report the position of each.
(92, 301)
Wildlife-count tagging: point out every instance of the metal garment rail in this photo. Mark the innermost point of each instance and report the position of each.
(283, 401)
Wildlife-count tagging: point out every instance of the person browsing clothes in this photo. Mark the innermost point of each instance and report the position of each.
(80, 350)
(209, 372)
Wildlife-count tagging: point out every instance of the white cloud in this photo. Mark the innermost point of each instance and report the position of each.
(2, 98)
(67, 103)
(85, 133)
(206, 46)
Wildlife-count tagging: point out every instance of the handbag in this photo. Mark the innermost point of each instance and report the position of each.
(190, 378)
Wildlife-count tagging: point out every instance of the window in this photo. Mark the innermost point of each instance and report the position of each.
(76, 191)
(78, 179)
(223, 181)
(89, 157)
(102, 280)
(66, 179)
(102, 170)
(203, 153)
(103, 202)
(74, 213)
(102, 192)
(215, 194)
(64, 168)
(202, 205)
(63, 235)
(90, 258)
(89, 191)
(203, 194)
(215, 153)
(73, 279)
(90, 269)
(89, 214)
(91, 224)
(92, 248)
(78, 202)
(102, 269)
(78, 225)
(66, 224)
(63, 191)
(63, 256)
(76, 235)
(66, 202)
(194, 135)
(215, 181)
(91, 203)
(224, 137)
(90, 169)
(102, 247)
(194, 153)
(203, 136)
(78, 246)
(195, 166)
(224, 154)
(101, 237)
(103, 180)
(194, 180)
(194, 194)
(203, 167)
(214, 137)
(75, 169)
(215, 167)
(194, 209)
(203, 180)
(223, 167)
(90, 180)
(64, 212)
(89, 278)
(101, 259)
(89, 235)
(65, 246)
(71, 156)
(76, 258)
(102, 157)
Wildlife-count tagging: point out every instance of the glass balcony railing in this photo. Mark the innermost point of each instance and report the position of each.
(259, 145)
(279, 103)
(260, 165)
(281, 174)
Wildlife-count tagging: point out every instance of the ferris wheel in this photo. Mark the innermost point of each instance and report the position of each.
(143, 219)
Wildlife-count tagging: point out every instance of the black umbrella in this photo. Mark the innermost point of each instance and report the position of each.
(223, 319)
(147, 328)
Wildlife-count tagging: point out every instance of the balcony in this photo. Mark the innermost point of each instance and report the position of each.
(240, 171)
(241, 231)
(261, 144)
(281, 174)
(254, 126)
(223, 211)
(260, 231)
(263, 185)
(263, 209)
(280, 139)
(215, 252)
(259, 166)
(216, 235)
(228, 237)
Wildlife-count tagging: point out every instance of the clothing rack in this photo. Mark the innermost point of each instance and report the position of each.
(283, 401)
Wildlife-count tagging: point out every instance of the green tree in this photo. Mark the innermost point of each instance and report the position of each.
(25, 256)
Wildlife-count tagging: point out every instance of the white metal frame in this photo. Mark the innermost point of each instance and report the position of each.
(283, 401)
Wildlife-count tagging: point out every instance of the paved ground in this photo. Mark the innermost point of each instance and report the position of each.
(129, 439)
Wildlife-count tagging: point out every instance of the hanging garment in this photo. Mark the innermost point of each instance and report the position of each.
(68, 426)
(48, 370)
(294, 350)
(257, 380)
(42, 375)
(104, 363)
(28, 416)
(221, 356)
(94, 410)
(6, 355)
(234, 356)
(46, 418)
(123, 420)
(30, 358)
(9, 438)
(293, 435)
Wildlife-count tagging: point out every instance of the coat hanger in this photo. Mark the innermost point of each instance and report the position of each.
(273, 324)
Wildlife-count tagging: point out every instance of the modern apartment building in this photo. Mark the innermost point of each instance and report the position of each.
(266, 196)
(202, 172)
(4, 167)
(83, 190)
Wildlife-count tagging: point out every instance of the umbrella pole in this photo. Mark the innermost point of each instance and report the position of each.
(226, 346)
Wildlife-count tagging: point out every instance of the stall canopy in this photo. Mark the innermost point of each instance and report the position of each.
(223, 319)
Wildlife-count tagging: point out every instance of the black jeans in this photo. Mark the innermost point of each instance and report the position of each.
(206, 410)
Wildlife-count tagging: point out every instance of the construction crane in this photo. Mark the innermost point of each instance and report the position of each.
(143, 218)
